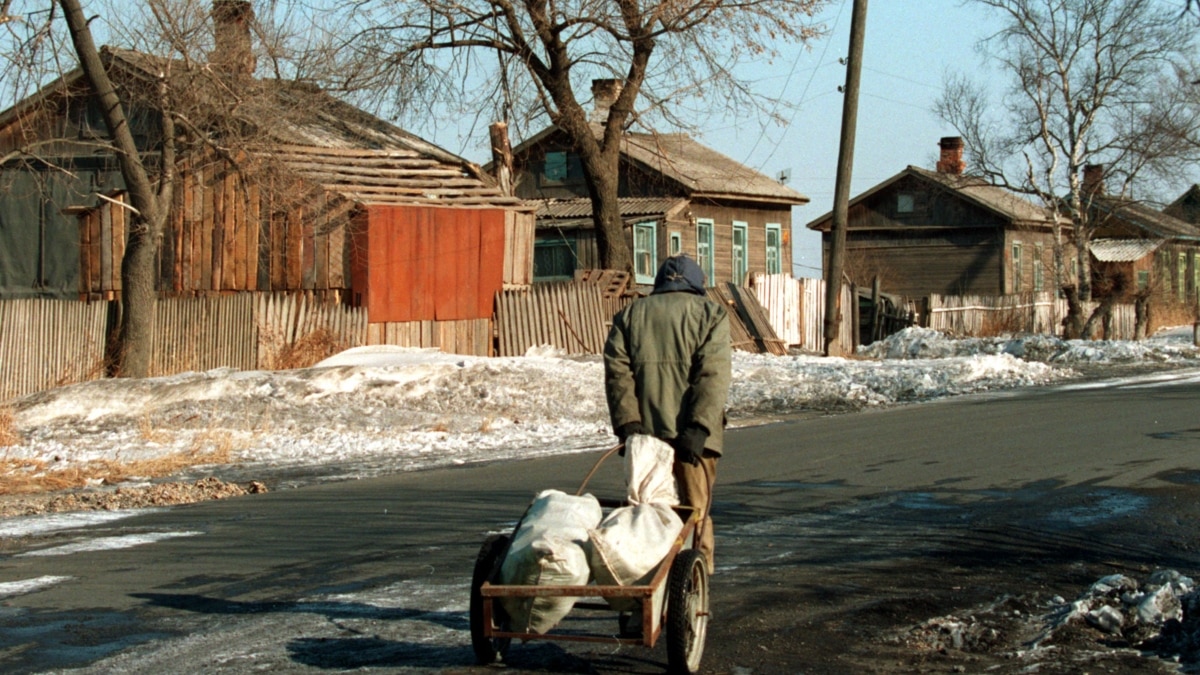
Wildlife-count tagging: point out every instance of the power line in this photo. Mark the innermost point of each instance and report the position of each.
(803, 94)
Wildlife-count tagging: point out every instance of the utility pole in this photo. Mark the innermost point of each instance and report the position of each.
(841, 190)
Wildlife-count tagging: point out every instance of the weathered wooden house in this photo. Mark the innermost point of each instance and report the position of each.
(323, 199)
(946, 232)
(1150, 248)
(677, 196)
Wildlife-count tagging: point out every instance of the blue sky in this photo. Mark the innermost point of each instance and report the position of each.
(906, 52)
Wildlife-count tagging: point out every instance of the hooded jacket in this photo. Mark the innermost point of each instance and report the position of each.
(667, 358)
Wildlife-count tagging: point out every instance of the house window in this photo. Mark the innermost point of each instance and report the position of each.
(704, 247)
(1039, 282)
(1016, 267)
(774, 248)
(1181, 277)
(904, 203)
(555, 168)
(645, 251)
(1143, 279)
(675, 243)
(554, 259)
(740, 266)
(1195, 274)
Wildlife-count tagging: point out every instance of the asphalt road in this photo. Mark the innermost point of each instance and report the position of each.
(836, 536)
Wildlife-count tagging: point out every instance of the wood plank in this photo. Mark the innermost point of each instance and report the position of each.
(252, 218)
(446, 275)
(470, 258)
(491, 261)
(421, 281)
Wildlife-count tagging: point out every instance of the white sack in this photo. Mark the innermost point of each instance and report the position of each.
(631, 541)
(549, 548)
(649, 475)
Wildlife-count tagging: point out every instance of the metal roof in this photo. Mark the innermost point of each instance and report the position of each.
(1123, 250)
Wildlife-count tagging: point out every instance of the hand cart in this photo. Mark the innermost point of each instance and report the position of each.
(678, 590)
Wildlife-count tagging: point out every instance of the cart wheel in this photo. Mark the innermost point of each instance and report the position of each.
(687, 612)
(487, 566)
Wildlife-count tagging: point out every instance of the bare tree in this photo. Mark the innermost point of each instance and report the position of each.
(197, 83)
(1106, 83)
(530, 60)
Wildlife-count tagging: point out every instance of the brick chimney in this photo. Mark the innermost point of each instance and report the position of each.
(233, 52)
(951, 160)
(1093, 179)
(604, 94)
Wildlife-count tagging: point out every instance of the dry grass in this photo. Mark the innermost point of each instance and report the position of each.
(8, 428)
(148, 433)
(308, 350)
(1003, 322)
(26, 476)
(1168, 314)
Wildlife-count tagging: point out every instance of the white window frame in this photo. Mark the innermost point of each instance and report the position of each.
(1039, 281)
(704, 247)
(674, 243)
(1016, 267)
(774, 251)
(740, 263)
(645, 251)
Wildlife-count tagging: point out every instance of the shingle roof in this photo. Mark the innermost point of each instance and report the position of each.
(700, 170)
(1147, 218)
(974, 189)
(342, 148)
(1123, 250)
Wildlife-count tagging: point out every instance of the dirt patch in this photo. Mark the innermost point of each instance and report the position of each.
(160, 494)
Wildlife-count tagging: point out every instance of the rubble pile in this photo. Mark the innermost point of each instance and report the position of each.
(160, 494)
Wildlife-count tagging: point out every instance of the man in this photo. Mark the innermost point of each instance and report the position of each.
(667, 372)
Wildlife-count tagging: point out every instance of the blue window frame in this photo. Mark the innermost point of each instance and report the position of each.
(740, 248)
(704, 248)
(774, 248)
(645, 251)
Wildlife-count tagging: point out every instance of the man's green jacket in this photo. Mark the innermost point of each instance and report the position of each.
(667, 365)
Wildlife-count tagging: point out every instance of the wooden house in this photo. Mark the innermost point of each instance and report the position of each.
(325, 199)
(945, 232)
(1151, 248)
(677, 196)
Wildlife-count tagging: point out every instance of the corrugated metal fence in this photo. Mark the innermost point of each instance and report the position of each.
(49, 343)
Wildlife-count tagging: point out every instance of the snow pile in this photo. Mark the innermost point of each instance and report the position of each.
(380, 409)
(1119, 605)
(926, 343)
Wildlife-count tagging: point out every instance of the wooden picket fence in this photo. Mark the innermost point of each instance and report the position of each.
(48, 343)
(568, 316)
(977, 315)
(796, 309)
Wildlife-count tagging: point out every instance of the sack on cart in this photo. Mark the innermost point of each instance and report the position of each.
(550, 547)
(628, 545)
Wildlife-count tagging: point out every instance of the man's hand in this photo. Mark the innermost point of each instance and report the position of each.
(629, 429)
(689, 445)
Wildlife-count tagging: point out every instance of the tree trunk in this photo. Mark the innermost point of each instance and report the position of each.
(611, 239)
(1073, 322)
(137, 268)
(136, 336)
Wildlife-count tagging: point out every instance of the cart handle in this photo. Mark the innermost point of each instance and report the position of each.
(607, 453)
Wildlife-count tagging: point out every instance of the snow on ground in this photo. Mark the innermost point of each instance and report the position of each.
(381, 409)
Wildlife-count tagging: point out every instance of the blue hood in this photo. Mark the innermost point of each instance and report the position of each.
(679, 273)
